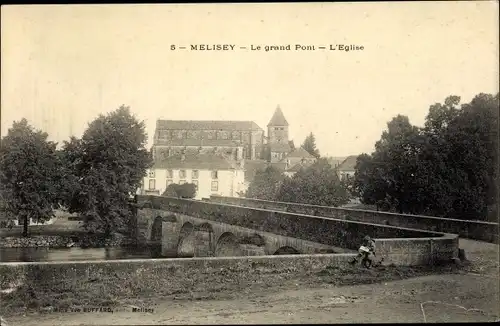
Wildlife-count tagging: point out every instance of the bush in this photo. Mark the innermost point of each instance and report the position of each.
(186, 190)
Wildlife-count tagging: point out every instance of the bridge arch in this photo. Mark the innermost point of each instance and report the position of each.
(170, 218)
(287, 250)
(254, 239)
(156, 229)
(227, 246)
(204, 227)
(185, 246)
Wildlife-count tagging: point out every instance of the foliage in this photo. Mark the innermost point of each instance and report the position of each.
(447, 168)
(317, 185)
(29, 174)
(266, 184)
(309, 145)
(186, 190)
(108, 165)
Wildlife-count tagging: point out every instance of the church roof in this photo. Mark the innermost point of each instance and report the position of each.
(206, 125)
(301, 153)
(278, 118)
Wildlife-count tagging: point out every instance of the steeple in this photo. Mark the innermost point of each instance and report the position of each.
(278, 118)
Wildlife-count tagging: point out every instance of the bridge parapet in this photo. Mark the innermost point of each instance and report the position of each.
(419, 246)
(477, 230)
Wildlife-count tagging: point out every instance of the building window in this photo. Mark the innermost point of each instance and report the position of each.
(195, 182)
(169, 182)
(151, 174)
(214, 175)
(182, 174)
(194, 174)
(215, 185)
(152, 184)
(181, 182)
(170, 174)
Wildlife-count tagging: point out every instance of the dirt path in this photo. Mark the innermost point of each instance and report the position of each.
(445, 298)
(471, 296)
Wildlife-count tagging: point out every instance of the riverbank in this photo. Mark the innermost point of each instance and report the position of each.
(63, 232)
(109, 287)
(222, 297)
(431, 298)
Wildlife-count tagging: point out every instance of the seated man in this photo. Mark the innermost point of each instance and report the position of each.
(368, 245)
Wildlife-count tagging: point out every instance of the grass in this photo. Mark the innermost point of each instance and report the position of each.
(219, 284)
(61, 226)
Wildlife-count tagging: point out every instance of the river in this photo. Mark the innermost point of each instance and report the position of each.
(75, 253)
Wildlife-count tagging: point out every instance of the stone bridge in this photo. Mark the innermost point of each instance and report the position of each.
(181, 235)
(185, 227)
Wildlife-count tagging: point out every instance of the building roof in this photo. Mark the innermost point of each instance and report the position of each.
(300, 152)
(279, 166)
(280, 148)
(348, 164)
(199, 142)
(206, 125)
(278, 118)
(297, 167)
(195, 161)
(335, 161)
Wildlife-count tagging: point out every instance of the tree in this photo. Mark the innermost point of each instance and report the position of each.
(317, 184)
(369, 183)
(472, 155)
(109, 162)
(30, 172)
(266, 184)
(186, 190)
(448, 168)
(310, 145)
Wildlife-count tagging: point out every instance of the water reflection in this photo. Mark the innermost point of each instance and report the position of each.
(75, 253)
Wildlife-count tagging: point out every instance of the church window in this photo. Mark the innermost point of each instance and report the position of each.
(193, 134)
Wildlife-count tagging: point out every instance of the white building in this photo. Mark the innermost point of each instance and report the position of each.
(346, 170)
(212, 174)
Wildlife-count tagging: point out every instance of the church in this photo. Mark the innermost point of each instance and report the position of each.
(225, 153)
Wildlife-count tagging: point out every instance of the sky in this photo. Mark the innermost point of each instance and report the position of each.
(61, 66)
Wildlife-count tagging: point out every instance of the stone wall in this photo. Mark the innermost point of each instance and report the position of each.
(477, 230)
(121, 278)
(61, 241)
(53, 241)
(329, 231)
